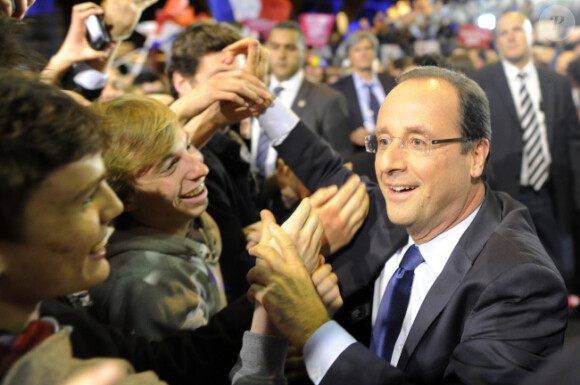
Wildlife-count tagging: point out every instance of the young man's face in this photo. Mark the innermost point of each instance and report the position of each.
(171, 193)
(65, 229)
(361, 55)
(286, 55)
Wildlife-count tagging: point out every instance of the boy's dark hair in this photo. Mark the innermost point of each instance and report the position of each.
(192, 44)
(41, 130)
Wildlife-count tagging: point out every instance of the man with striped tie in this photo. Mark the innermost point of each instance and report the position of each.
(535, 154)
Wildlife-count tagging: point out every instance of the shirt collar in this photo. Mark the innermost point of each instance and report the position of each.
(292, 84)
(437, 251)
(512, 71)
(358, 82)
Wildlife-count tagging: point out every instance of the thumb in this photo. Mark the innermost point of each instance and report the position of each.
(267, 217)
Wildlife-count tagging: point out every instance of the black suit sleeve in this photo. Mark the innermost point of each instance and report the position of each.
(335, 125)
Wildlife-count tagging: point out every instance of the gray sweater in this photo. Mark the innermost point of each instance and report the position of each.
(161, 282)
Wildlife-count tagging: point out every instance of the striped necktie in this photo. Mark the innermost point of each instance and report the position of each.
(534, 158)
(264, 143)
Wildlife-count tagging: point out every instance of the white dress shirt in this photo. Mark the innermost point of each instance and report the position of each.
(362, 93)
(289, 91)
(533, 86)
(329, 341)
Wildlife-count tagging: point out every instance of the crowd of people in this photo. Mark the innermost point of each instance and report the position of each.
(236, 221)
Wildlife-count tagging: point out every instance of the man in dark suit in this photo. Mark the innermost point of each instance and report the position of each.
(321, 108)
(364, 84)
(544, 171)
(482, 301)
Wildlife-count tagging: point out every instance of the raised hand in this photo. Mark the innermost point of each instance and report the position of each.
(243, 93)
(257, 56)
(304, 228)
(75, 47)
(285, 289)
(341, 212)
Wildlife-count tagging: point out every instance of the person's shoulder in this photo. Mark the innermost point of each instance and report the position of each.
(550, 75)
(323, 90)
(485, 72)
(343, 82)
(386, 80)
(513, 232)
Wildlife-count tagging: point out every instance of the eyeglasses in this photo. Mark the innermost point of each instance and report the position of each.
(414, 143)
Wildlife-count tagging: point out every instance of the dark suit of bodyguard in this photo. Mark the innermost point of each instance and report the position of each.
(555, 206)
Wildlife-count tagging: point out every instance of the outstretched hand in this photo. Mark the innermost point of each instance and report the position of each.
(341, 211)
(257, 56)
(284, 287)
(75, 47)
(238, 93)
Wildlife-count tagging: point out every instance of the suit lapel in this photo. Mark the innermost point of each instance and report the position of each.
(354, 101)
(301, 99)
(547, 106)
(460, 261)
(501, 85)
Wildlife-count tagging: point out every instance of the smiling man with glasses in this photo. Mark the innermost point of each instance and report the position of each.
(452, 285)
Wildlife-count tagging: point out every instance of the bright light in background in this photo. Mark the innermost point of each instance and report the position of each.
(487, 21)
(403, 7)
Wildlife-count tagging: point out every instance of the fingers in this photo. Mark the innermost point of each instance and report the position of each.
(322, 195)
(346, 191)
(267, 217)
(256, 293)
(296, 221)
(324, 279)
(253, 56)
(289, 252)
(321, 273)
(20, 7)
(355, 210)
(258, 277)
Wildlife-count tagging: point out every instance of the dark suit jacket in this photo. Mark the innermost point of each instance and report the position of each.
(346, 87)
(496, 311)
(324, 111)
(563, 368)
(563, 137)
(201, 356)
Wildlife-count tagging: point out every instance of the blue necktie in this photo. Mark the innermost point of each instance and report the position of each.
(373, 103)
(264, 144)
(394, 304)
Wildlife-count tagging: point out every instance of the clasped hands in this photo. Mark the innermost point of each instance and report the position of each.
(296, 288)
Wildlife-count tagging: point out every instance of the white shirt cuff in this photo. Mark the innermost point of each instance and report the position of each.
(277, 121)
(323, 348)
(89, 78)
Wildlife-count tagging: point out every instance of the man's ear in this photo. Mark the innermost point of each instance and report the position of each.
(480, 154)
(182, 84)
